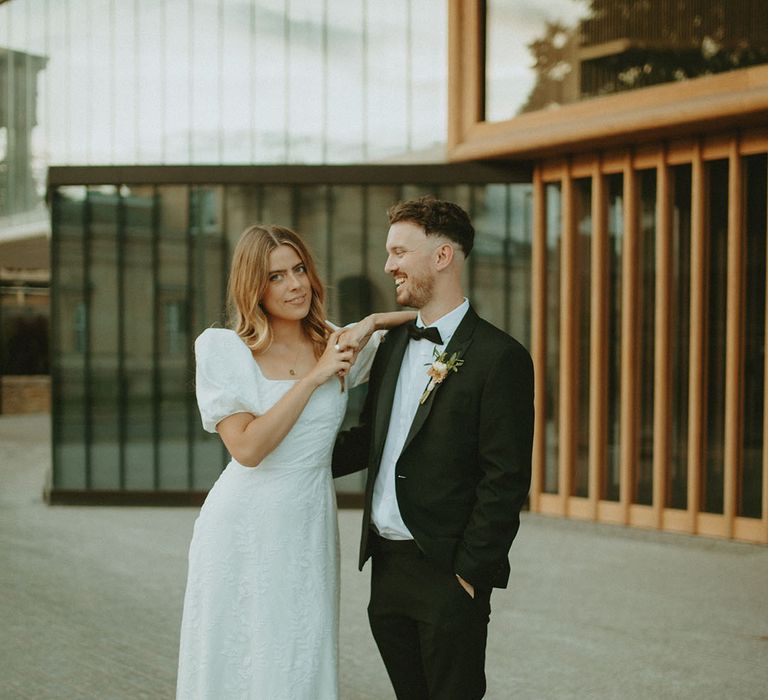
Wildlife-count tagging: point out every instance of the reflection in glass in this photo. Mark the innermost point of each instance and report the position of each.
(581, 307)
(102, 391)
(502, 257)
(539, 55)
(174, 373)
(679, 315)
(69, 336)
(137, 339)
(519, 217)
(552, 381)
(208, 289)
(751, 476)
(646, 316)
(715, 336)
(611, 473)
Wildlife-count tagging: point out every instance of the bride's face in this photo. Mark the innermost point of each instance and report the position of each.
(289, 293)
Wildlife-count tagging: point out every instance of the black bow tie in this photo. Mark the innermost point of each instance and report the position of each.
(431, 333)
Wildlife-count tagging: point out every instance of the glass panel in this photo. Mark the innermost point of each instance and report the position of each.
(375, 227)
(207, 302)
(138, 337)
(552, 381)
(715, 336)
(490, 294)
(581, 307)
(304, 80)
(102, 356)
(519, 261)
(679, 315)
(69, 326)
(611, 474)
(353, 290)
(387, 110)
(750, 487)
(350, 290)
(173, 341)
(646, 313)
(552, 53)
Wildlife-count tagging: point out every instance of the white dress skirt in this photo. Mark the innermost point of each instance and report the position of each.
(261, 609)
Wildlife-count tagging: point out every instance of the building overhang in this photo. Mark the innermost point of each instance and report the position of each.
(694, 107)
(699, 106)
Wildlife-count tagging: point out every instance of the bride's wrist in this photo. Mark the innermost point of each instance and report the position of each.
(373, 323)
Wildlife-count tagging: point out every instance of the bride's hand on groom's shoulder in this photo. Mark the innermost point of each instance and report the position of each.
(356, 337)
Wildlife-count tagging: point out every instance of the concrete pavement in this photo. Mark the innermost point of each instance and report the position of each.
(90, 603)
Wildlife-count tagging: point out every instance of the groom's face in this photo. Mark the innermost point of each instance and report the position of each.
(409, 261)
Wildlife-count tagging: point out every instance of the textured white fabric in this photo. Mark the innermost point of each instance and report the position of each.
(262, 599)
(411, 382)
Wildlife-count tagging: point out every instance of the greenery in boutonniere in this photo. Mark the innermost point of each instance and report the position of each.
(439, 370)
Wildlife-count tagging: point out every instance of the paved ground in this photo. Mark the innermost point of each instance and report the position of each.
(90, 602)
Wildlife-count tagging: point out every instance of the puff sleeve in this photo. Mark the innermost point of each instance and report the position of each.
(221, 384)
(360, 371)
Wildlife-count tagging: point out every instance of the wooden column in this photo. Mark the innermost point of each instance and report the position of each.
(568, 341)
(662, 414)
(734, 340)
(696, 376)
(629, 340)
(539, 336)
(598, 365)
(466, 69)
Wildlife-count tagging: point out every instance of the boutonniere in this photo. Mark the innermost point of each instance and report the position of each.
(439, 370)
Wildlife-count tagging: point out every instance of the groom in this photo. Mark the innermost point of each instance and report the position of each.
(446, 434)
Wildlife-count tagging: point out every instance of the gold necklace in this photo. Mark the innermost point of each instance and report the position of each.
(291, 370)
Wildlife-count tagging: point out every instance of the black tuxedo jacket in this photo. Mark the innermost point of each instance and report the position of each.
(465, 469)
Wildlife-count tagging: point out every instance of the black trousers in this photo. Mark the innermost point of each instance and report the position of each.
(430, 632)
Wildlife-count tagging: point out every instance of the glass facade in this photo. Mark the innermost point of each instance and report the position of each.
(543, 54)
(215, 81)
(139, 270)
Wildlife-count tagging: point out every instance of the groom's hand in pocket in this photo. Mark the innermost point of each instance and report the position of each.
(467, 586)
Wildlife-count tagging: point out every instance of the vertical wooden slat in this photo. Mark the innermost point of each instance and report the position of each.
(734, 341)
(662, 414)
(598, 363)
(765, 409)
(539, 334)
(466, 69)
(696, 377)
(568, 341)
(629, 341)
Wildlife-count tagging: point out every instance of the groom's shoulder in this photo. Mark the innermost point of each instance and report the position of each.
(491, 335)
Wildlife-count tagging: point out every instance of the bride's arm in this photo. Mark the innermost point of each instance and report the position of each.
(356, 337)
(251, 438)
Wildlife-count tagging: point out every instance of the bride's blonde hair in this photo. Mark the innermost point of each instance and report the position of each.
(248, 281)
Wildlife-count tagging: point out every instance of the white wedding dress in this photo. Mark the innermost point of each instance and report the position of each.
(261, 608)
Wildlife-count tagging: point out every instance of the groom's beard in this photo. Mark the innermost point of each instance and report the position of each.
(417, 292)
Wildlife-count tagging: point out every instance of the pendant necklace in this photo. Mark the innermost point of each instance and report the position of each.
(291, 370)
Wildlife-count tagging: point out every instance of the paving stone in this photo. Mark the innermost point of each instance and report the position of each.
(90, 603)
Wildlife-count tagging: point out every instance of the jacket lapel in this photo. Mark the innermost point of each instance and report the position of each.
(397, 340)
(460, 341)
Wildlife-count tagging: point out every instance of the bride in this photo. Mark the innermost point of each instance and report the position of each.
(261, 607)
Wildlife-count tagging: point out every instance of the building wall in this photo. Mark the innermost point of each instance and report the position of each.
(140, 269)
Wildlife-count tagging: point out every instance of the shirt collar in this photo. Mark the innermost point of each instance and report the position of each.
(447, 324)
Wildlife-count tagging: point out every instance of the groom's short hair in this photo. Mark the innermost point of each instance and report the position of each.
(438, 217)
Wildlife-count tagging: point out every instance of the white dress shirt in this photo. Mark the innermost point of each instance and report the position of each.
(411, 382)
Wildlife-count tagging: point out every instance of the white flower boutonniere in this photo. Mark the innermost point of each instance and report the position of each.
(439, 370)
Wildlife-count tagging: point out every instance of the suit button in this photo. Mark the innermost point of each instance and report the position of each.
(400, 476)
